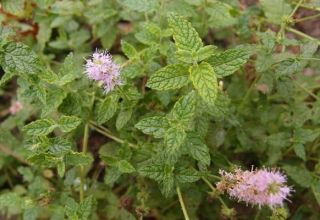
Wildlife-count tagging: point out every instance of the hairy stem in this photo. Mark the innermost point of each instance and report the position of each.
(82, 171)
(183, 207)
(299, 33)
(104, 131)
(307, 18)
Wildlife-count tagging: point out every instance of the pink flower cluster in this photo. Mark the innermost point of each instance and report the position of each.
(256, 187)
(100, 67)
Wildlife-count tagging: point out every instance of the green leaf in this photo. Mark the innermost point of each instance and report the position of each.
(205, 52)
(20, 58)
(86, 207)
(163, 173)
(44, 160)
(300, 151)
(197, 148)
(125, 167)
(54, 98)
(40, 127)
(205, 81)
(275, 14)
(156, 126)
(300, 175)
(186, 175)
(220, 15)
(78, 159)
(6, 77)
(59, 146)
(184, 35)
(173, 140)
(141, 5)
(123, 117)
(221, 107)
(14, 7)
(106, 109)
(170, 77)
(68, 71)
(229, 61)
(186, 56)
(69, 123)
(316, 190)
(183, 110)
(128, 50)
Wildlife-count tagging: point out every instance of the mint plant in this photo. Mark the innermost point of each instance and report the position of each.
(187, 109)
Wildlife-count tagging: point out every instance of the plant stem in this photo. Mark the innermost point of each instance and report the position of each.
(307, 18)
(309, 58)
(257, 215)
(183, 207)
(306, 90)
(208, 183)
(82, 171)
(9, 152)
(213, 189)
(302, 34)
(107, 133)
(296, 8)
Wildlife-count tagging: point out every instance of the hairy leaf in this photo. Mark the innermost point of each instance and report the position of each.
(170, 77)
(205, 81)
(184, 35)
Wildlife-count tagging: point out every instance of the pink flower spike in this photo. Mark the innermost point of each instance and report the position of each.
(101, 68)
(256, 187)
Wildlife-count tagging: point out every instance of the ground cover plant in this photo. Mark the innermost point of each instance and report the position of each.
(159, 109)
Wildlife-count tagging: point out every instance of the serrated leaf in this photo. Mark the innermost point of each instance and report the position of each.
(59, 146)
(197, 148)
(106, 109)
(186, 175)
(54, 98)
(40, 127)
(186, 56)
(229, 61)
(78, 159)
(161, 172)
(300, 151)
(275, 14)
(69, 123)
(125, 167)
(68, 71)
(205, 52)
(184, 35)
(184, 109)
(172, 76)
(14, 7)
(20, 58)
(128, 50)
(173, 140)
(300, 175)
(86, 207)
(156, 126)
(123, 117)
(205, 81)
(44, 160)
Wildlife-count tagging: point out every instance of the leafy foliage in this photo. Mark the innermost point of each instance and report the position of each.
(205, 85)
